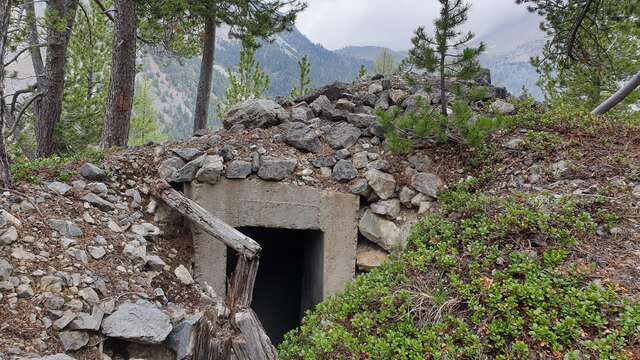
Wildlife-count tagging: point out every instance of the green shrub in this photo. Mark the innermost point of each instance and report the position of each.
(469, 286)
(29, 170)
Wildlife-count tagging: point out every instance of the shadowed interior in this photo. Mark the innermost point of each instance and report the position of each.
(289, 280)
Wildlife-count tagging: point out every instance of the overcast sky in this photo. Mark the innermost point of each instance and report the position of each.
(390, 23)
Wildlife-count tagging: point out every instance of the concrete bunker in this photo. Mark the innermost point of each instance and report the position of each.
(309, 239)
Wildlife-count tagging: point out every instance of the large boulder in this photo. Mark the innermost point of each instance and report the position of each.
(344, 171)
(92, 172)
(342, 135)
(381, 231)
(428, 184)
(382, 183)
(256, 113)
(502, 107)
(333, 92)
(303, 138)
(274, 169)
(138, 323)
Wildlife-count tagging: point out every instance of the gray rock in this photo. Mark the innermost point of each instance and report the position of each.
(98, 202)
(303, 138)
(502, 107)
(382, 165)
(360, 160)
(321, 105)
(89, 295)
(155, 263)
(93, 173)
(343, 135)
(406, 194)
(398, 96)
(182, 338)
(369, 257)
(183, 275)
(383, 184)
(344, 171)
(389, 208)
(169, 167)
(383, 102)
(342, 154)
(135, 250)
(73, 340)
(139, 323)
(188, 154)
(227, 152)
(636, 192)
(65, 228)
(5, 270)
(421, 162)
(346, 105)
(9, 236)
(324, 161)
(275, 169)
(98, 187)
(255, 113)
(24, 291)
(428, 184)
(96, 252)
(301, 112)
(188, 172)
(84, 321)
(332, 92)
(362, 121)
(361, 187)
(375, 88)
(211, 169)
(238, 169)
(415, 101)
(377, 229)
(58, 187)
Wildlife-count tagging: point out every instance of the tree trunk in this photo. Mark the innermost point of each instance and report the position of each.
(443, 90)
(5, 17)
(618, 96)
(53, 89)
(36, 54)
(123, 72)
(206, 75)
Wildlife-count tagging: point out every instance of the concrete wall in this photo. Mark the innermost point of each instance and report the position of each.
(255, 203)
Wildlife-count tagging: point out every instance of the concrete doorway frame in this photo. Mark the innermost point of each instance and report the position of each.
(256, 203)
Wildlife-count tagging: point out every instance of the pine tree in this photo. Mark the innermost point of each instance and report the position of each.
(302, 88)
(592, 47)
(87, 75)
(5, 18)
(445, 52)
(384, 63)
(144, 118)
(249, 82)
(362, 72)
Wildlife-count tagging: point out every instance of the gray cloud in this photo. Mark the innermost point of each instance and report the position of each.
(390, 23)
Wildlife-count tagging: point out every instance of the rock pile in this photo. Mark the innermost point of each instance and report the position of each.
(97, 259)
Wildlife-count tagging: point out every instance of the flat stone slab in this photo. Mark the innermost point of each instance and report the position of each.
(139, 323)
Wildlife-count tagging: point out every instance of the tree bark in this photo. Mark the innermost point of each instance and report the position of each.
(53, 88)
(5, 17)
(36, 53)
(620, 95)
(206, 75)
(117, 117)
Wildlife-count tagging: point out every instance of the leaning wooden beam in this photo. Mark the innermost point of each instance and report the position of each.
(254, 344)
(207, 222)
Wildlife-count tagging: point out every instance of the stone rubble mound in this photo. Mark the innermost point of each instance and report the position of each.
(95, 267)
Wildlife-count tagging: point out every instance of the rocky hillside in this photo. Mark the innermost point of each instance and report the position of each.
(529, 238)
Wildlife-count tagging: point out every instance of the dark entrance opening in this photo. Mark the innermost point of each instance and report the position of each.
(289, 280)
